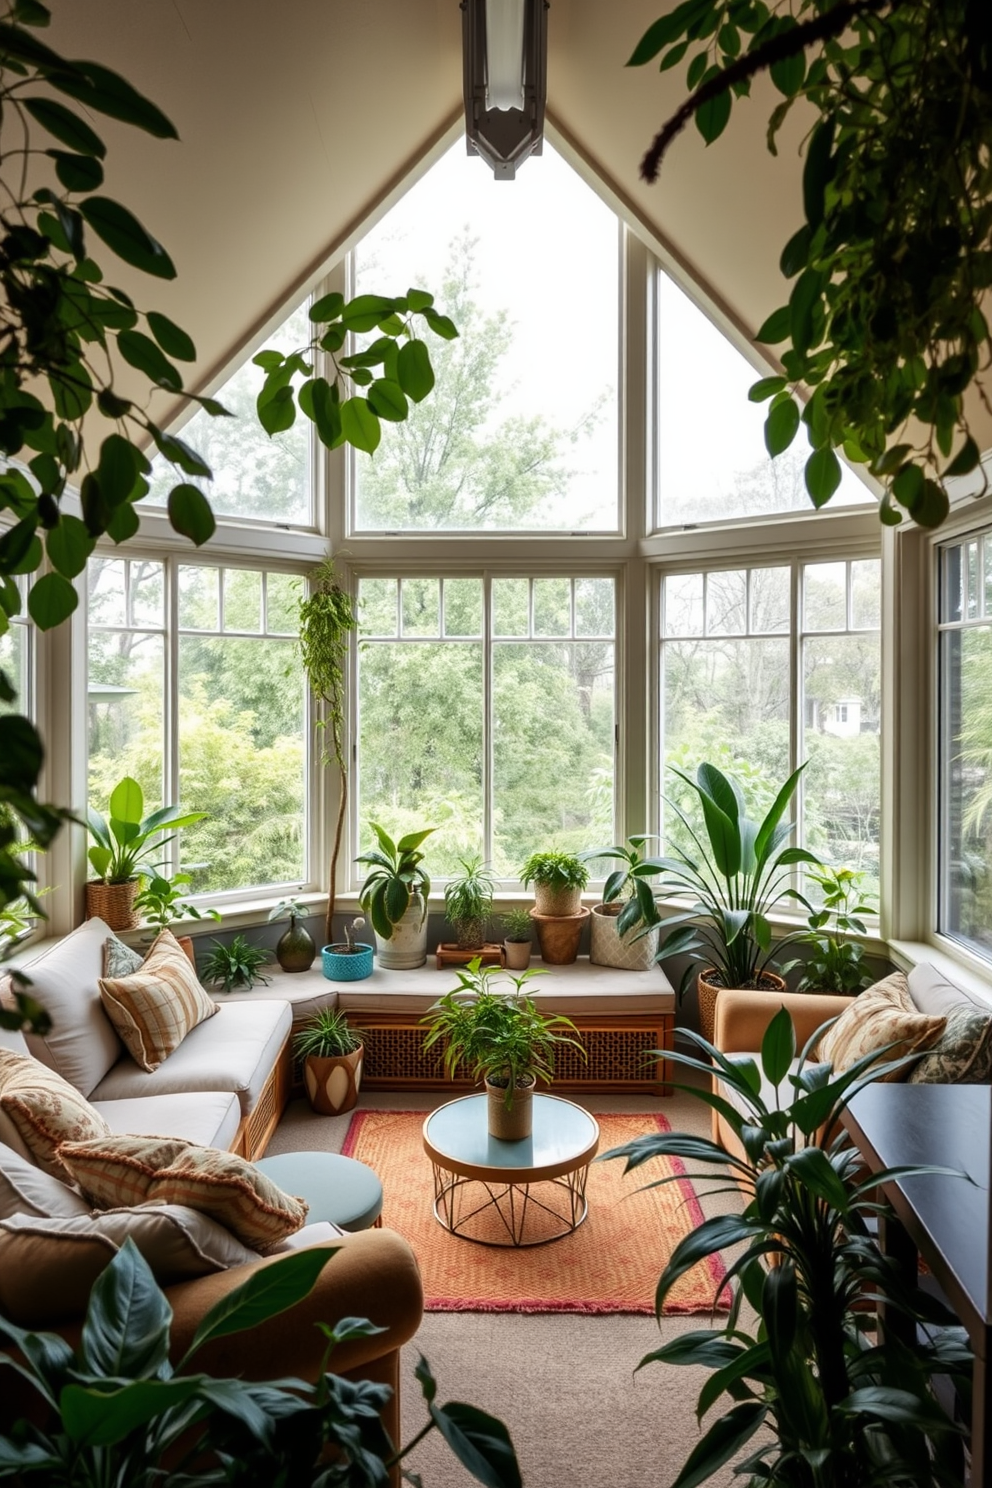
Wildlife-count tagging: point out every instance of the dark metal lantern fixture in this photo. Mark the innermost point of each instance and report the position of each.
(504, 47)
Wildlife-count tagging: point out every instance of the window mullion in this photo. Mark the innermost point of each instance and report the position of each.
(488, 844)
(170, 730)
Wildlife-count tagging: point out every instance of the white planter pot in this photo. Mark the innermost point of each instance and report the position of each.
(407, 946)
(608, 949)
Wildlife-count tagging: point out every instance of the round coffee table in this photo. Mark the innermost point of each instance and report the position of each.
(339, 1189)
(510, 1193)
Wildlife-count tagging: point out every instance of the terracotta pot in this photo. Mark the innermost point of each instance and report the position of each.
(559, 936)
(609, 948)
(113, 903)
(556, 902)
(407, 946)
(295, 949)
(707, 993)
(333, 1081)
(515, 1124)
(516, 954)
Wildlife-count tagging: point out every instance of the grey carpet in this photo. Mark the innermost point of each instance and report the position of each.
(564, 1384)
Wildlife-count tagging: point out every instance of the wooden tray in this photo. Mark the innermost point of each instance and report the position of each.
(450, 955)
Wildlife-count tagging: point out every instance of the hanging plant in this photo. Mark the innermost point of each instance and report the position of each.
(885, 328)
(327, 619)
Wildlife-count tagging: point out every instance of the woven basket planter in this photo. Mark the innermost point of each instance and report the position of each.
(708, 992)
(515, 1124)
(556, 902)
(113, 903)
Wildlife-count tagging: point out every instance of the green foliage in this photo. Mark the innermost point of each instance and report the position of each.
(833, 1404)
(161, 901)
(468, 898)
(885, 324)
(623, 883)
(124, 1414)
(395, 875)
(327, 1034)
(236, 965)
(836, 963)
(498, 1032)
(554, 869)
(737, 869)
(126, 840)
(517, 925)
(288, 909)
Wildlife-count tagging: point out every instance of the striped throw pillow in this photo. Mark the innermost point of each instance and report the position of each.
(44, 1109)
(155, 1008)
(882, 1017)
(124, 1171)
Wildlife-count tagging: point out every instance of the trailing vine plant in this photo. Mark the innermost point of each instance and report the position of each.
(885, 326)
(327, 619)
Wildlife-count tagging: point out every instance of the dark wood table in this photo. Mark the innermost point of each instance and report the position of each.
(944, 1219)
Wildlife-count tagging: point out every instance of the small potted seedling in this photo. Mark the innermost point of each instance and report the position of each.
(332, 1055)
(517, 942)
(349, 960)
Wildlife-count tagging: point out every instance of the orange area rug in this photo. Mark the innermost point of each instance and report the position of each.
(610, 1264)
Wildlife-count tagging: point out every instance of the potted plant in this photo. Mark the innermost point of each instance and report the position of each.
(836, 962)
(468, 904)
(736, 871)
(500, 1035)
(160, 903)
(558, 879)
(348, 960)
(236, 965)
(517, 942)
(813, 1397)
(124, 843)
(608, 944)
(332, 1055)
(394, 897)
(295, 948)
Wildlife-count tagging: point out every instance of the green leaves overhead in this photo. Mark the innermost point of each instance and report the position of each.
(190, 514)
(893, 263)
(122, 232)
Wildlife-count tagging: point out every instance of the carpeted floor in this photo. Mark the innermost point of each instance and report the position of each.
(564, 1383)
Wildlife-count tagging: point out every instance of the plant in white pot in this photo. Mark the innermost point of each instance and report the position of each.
(614, 941)
(394, 897)
(502, 1037)
(517, 938)
(332, 1055)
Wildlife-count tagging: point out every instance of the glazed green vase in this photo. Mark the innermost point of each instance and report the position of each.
(296, 949)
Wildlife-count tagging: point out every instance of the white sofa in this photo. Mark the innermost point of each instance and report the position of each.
(225, 1086)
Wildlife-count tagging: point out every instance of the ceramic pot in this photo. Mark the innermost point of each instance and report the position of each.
(296, 949)
(341, 965)
(333, 1081)
(407, 946)
(556, 902)
(515, 1124)
(609, 948)
(559, 936)
(113, 903)
(516, 954)
(707, 993)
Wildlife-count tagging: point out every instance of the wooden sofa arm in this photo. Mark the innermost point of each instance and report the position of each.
(743, 1016)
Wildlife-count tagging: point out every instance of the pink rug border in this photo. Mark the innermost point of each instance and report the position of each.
(714, 1263)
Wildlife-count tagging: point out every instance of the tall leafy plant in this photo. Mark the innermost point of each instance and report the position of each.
(835, 1406)
(886, 326)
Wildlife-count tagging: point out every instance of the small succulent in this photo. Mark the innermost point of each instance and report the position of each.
(236, 965)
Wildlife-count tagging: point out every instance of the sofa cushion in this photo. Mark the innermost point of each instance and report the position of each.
(51, 1264)
(154, 1008)
(45, 1109)
(882, 1017)
(27, 1189)
(234, 1051)
(112, 1171)
(211, 1118)
(963, 1053)
(81, 1044)
(119, 960)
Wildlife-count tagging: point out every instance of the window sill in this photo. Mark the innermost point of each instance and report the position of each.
(966, 971)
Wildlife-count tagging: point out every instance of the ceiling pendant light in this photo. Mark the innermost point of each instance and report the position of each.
(504, 47)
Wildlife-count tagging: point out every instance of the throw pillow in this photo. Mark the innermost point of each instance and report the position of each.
(883, 1016)
(45, 1109)
(118, 959)
(25, 1189)
(155, 1008)
(164, 1170)
(962, 1055)
(56, 1260)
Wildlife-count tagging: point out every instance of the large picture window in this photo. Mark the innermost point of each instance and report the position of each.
(965, 743)
(486, 709)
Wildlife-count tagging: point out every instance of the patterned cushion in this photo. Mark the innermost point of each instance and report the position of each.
(45, 1109)
(162, 1170)
(883, 1015)
(118, 959)
(154, 1009)
(962, 1054)
(26, 1189)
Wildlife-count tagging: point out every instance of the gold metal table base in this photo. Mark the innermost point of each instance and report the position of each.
(514, 1203)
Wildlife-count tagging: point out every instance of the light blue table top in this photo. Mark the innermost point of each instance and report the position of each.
(564, 1135)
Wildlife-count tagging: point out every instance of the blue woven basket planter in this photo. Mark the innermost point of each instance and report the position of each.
(339, 966)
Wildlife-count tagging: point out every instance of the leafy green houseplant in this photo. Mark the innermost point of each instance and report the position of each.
(160, 901)
(236, 965)
(394, 896)
(295, 948)
(124, 842)
(836, 962)
(558, 879)
(468, 903)
(116, 1411)
(886, 324)
(609, 945)
(502, 1037)
(331, 1053)
(736, 872)
(517, 938)
(833, 1404)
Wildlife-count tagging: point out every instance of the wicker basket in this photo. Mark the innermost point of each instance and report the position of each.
(708, 992)
(113, 903)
